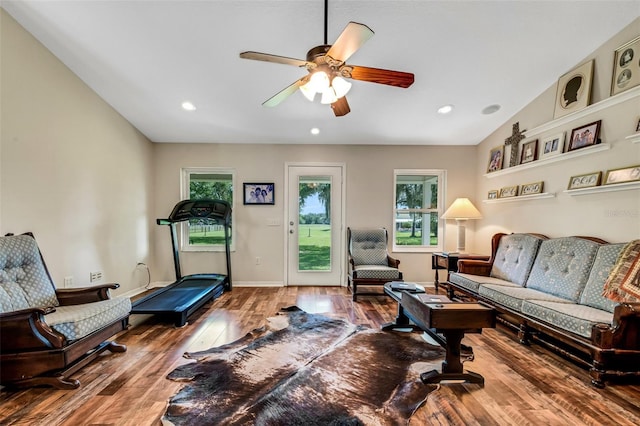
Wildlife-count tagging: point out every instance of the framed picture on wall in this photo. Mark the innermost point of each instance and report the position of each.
(626, 67)
(493, 194)
(574, 90)
(584, 136)
(496, 156)
(508, 192)
(585, 181)
(529, 152)
(552, 145)
(625, 174)
(532, 188)
(258, 193)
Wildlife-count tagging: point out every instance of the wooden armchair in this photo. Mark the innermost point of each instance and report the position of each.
(48, 334)
(369, 261)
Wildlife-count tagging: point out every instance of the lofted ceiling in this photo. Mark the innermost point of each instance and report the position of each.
(146, 57)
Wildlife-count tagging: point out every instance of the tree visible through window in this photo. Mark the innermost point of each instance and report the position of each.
(417, 210)
(209, 183)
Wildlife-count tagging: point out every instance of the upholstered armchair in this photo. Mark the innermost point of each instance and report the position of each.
(46, 335)
(369, 261)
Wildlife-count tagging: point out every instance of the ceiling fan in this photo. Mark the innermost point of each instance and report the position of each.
(328, 69)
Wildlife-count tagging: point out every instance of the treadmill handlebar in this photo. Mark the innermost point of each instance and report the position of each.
(216, 210)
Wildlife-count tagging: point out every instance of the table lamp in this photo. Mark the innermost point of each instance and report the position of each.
(461, 210)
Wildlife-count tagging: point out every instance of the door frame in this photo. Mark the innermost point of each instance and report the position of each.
(340, 245)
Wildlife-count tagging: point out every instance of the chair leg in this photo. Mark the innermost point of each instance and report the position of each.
(354, 295)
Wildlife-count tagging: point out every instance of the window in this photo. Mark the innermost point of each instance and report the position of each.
(418, 198)
(215, 183)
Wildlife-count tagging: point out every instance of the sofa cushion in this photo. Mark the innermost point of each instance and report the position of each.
(78, 321)
(605, 260)
(472, 282)
(562, 267)
(513, 296)
(572, 317)
(514, 257)
(23, 277)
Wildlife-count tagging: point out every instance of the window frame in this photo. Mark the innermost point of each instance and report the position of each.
(185, 193)
(441, 176)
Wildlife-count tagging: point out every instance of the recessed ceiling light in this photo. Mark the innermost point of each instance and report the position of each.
(188, 106)
(445, 109)
(315, 131)
(491, 109)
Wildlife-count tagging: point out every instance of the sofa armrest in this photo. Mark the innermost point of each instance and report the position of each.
(624, 333)
(77, 296)
(475, 267)
(26, 330)
(392, 262)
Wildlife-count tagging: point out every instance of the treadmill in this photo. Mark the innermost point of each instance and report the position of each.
(189, 293)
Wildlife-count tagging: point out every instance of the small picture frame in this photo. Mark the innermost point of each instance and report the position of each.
(496, 155)
(258, 193)
(584, 136)
(529, 152)
(552, 145)
(626, 67)
(585, 181)
(625, 174)
(508, 192)
(574, 90)
(532, 188)
(492, 195)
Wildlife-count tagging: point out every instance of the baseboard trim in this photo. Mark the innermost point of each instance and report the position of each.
(258, 284)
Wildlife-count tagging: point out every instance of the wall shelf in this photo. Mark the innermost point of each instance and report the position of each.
(603, 188)
(560, 157)
(521, 198)
(635, 138)
(598, 106)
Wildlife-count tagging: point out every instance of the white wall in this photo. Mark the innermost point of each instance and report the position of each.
(369, 198)
(72, 170)
(613, 216)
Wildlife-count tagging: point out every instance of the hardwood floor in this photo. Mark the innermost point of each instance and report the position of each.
(523, 385)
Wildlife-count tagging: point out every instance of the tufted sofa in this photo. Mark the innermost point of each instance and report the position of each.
(550, 291)
(47, 334)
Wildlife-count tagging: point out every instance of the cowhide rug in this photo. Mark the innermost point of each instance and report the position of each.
(306, 369)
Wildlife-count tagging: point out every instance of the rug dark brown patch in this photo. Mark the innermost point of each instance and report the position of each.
(305, 369)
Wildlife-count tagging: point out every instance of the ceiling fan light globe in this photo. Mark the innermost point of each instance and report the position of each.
(340, 86)
(308, 93)
(318, 82)
(328, 96)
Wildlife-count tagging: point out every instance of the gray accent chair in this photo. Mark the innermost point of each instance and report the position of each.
(369, 261)
(48, 334)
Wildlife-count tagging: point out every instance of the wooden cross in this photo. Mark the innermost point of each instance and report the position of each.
(514, 140)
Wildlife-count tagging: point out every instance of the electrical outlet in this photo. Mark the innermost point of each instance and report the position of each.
(68, 281)
(95, 276)
(258, 260)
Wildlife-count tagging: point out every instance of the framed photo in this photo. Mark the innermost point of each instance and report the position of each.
(585, 181)
(626, 67)
(508, 191)
(574, 90)
(552, 145)
(258, 193)
(529, 152)
(532, 188)
(626, 174)
(496, 155)
(493, 194)
(584, 136)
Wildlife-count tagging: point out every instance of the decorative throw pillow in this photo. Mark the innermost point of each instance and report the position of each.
(623, 283)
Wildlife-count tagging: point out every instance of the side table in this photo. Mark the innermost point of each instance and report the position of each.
(449, 261)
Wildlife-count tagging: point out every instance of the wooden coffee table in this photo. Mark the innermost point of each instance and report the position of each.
(439, 317)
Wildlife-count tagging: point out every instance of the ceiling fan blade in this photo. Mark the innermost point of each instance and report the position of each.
(341, 107)
(351, 39)
(285, 93)
(380, 76)
(257, 56)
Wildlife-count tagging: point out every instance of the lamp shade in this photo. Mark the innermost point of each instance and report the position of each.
(462, 209)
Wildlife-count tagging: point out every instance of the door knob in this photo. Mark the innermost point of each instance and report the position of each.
(291, 231)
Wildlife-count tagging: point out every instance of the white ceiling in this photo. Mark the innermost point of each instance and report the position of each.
(146, 57)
